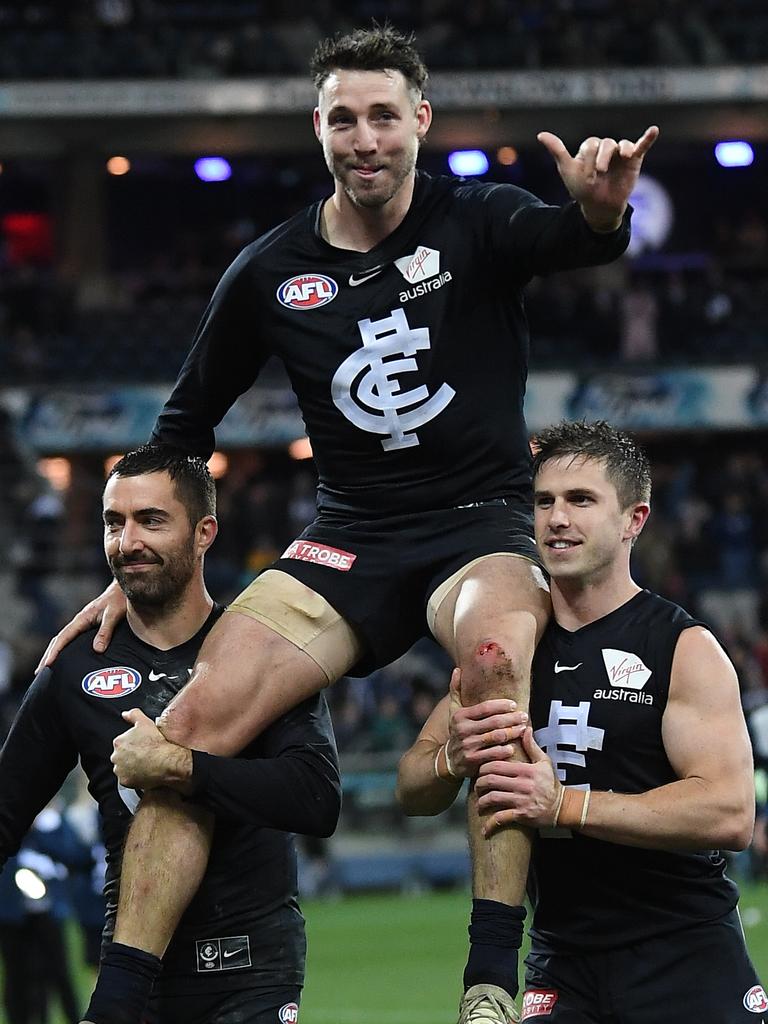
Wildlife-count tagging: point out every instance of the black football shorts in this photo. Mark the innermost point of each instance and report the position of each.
(698, 975)
(380, 573)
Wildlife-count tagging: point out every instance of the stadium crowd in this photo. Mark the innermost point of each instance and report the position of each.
(242, 38)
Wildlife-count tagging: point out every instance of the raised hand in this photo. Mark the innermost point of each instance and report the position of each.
(602, 175)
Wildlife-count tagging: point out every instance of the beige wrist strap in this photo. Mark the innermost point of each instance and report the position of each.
(573, 808)
(448, 774)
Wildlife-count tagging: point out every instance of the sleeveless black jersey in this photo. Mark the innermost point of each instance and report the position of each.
(597, 702)
(284, 779)
(409, 362)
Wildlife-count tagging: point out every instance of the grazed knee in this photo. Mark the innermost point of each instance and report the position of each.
(494, 670)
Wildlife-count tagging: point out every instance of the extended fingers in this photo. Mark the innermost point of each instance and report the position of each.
(646, 140)
(486, 709)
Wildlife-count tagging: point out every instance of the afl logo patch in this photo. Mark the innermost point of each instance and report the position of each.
(112, 682)
(756, 1000)
(307, 291)
(288, 1014)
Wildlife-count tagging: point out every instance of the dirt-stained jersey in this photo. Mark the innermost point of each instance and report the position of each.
(598, 698)
(243, 927)
(409, 361)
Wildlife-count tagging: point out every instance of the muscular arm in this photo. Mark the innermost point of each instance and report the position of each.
(35, 760)
(710, 805)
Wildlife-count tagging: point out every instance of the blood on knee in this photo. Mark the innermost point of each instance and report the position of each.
(492, 672)
(490, 649)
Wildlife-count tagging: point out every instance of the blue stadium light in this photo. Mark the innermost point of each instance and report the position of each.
(465, 162)
(213, 168)
(734, 154)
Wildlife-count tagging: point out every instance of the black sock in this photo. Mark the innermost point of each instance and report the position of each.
(124, 985)
(495, 936)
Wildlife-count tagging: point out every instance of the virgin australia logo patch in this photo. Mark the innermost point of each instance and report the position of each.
(625, 669)
(422, 264)
(366, 387)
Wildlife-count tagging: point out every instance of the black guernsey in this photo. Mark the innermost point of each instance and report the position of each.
(596, 707)
(288, 779)
(410, 361)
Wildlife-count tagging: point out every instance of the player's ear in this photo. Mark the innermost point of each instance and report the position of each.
(205, 533)
(316, 122)
(637, 517)
(423, 118)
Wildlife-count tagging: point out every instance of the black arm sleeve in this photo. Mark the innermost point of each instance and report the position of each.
(531, 237)
(35, 760)
(224, 361)
(293, 783)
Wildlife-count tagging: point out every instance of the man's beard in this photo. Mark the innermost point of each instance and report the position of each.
(399, 170)
(161, 587)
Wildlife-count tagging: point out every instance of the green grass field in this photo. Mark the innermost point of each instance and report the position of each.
(388, 959)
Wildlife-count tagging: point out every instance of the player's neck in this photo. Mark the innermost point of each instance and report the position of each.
(348, 226)
(577, 602)
(172, 624)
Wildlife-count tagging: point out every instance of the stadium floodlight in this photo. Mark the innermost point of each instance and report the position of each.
(468, 162)
(735, 153)
(213, 168)
(30, 883)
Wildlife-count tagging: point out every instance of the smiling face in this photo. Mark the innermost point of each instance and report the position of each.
(370, 124)
(583, 533)
(152, 548)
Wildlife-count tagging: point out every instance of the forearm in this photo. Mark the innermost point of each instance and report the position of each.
(420, 790)
(689, 814)
(299, 791)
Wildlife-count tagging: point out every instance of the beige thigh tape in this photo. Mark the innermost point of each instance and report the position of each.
(440, 594)
(303, 617)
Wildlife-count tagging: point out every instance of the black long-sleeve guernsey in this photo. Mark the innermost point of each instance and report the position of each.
(286, 781)
(409, 362)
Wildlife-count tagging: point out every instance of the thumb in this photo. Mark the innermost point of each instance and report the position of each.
(532, 748)
(136, 717)
(455, 687)
(554, 146)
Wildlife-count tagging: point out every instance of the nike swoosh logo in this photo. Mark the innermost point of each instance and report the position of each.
(154, 676)
(233, 952)
(355, 279)
(566, 668)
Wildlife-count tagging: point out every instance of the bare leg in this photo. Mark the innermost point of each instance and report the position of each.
(491, 622)
(246, 676)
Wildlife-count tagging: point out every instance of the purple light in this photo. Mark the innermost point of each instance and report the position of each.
(468, 162)
(734, 154)
(213, 168)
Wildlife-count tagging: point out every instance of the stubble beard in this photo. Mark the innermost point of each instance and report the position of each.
(366, 196)
(159, 588)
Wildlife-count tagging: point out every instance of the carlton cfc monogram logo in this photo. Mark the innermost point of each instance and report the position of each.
(367, 390)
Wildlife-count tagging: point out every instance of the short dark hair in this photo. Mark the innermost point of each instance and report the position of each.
(380, 48)
(193, 483)
(626, 464)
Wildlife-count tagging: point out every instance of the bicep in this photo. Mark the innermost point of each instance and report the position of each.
(704, 731)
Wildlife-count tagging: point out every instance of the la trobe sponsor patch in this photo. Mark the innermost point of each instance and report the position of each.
(538, 1002)
(320, 554)
(307, 291)
(110, 683)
